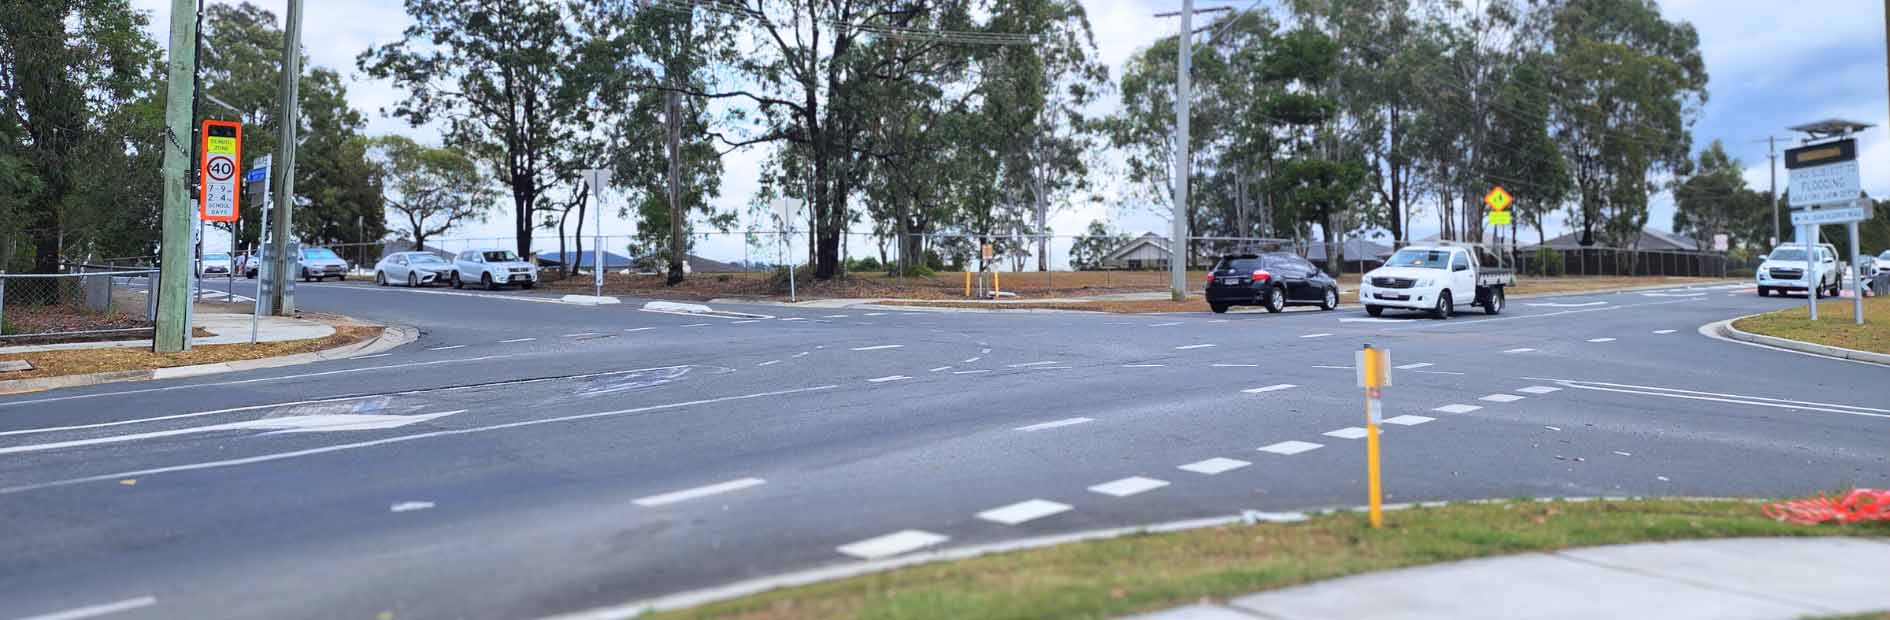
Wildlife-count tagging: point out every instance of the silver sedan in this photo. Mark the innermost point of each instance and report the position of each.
(411, 268)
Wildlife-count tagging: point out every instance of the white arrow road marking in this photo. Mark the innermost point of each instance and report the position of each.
(409, 506)
(319, 423)
(94, 611)
(698, 492)
(1564, 305)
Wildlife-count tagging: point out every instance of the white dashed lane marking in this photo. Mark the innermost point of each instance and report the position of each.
(940, 369)
(1214, 465)
(1192, 346)
(1663, 331)
(1502, 398)
(409, 506)
(1349, 432)
(1236, 365)
(769, 363)
(1290, 448)
(582, 334)
(1415, 366)
(878, 347)
(516, 340)
(698, 325)
(1020, 512)
(1408, 420)
(1128, 486)
(1166, 324)
(1521, 350)
(1054, 424)
(639, 329)
(1538, 389)
(888, 378)
(94, 611)
(698, 492)
(1270, 388)
(1457, 408)
(1321, 335)
(892, 544)
(1144, 365)
(969, 372)
(448, 348)
(834, 316)
(1601, 340)
(747, 321)
(970, 360)
(1029, 364)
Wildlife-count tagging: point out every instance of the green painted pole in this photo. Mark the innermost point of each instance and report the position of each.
(173, 320)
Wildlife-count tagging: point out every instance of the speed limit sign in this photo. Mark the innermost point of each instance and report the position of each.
(222, 148)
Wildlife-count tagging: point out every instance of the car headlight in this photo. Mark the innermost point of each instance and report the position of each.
(1427, 282)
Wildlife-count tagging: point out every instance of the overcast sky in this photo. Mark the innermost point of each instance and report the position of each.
(1770, 67)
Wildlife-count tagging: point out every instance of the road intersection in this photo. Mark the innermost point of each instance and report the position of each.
(564, 457)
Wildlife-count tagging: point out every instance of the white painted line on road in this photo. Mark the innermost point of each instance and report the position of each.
(516, 340)
(1620, 453)
(984, 351)
(697, 492)
(1563, 305)
(286, 424)
(1475, 323)
(1054, 424)
(1319, 335)
(970, 360)
(448, 348)
(406, 438)
(698, 325)
(639, 329)
(1457, 408)
(1144, 365)
(1415, 366)
(1128, 486)
(888, 378)
(746, 321)
(800, 355)
(1029, 364)
(369, 357)
(1538, 389)
(1290, 448)
(1024, 511)
(1214, 465)
(1170, 324)
(892, 544)
(1409, 420)
(1051, 367)
(94, 611)
(876, 314)
(582, 334)
(969, 372)
(1270, 388)
(1361, 320)
(834, 316)
(794, 318)
(1502, 398)
(1333, 367)
(1737, 399)
(879, 347)
(409, 506)
(1192, 346)
(1236, 365)
(1438, 372)
(769, 363)
(940, 368)
(1601, 340)
(1663, 331)
(1521, 350)
(1349, 432)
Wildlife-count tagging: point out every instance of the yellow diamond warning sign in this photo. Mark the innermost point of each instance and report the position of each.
(1498, 199)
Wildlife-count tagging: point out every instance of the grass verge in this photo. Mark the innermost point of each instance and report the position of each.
(88, 361)
(1834, 326)
(1140, 573)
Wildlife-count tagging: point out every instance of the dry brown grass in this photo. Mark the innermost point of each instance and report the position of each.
(1834, 327)
(1582, 284)
(111, 359)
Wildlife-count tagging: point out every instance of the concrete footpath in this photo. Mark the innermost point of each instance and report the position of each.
(1756, 578)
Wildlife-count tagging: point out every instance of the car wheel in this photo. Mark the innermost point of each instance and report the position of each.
(1331, 301)
(1374, 310)
(485, 279)
(413, 281)
(1444, 307)
(456, 281)
(1765, 292)
(341, 278)
(1217, 308)
(528, 285)
(1494, 304)
(380, 278)
(1276, 300)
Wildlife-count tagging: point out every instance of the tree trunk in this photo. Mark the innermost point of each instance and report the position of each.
(678, 246)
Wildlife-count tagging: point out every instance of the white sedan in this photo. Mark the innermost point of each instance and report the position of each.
(412, 269)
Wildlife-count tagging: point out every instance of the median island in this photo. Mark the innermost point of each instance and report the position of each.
(1834, 328)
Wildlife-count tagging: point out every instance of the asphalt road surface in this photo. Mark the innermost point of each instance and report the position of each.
(527, 458)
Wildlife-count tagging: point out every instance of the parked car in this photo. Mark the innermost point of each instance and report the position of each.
(1882, 263)
(1271, 280)
(213, 265)
(492, 269)
(1435, 279)
(1784, 270)
(412, 269)
(319, 264)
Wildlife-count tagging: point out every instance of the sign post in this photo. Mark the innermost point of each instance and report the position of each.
(1825, 188)
(598, 178)
(786, 211)
(263, 271)
(1374, 372)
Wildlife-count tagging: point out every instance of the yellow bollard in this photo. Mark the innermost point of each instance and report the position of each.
(1373, 374)
(967, 284)
(997, 283)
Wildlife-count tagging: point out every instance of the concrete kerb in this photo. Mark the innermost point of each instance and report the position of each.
(390, 337)
(716, 594)
(1725, 330)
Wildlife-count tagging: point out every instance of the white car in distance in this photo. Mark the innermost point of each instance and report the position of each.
(492, 269)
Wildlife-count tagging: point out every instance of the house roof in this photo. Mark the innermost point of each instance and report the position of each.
(612, 260)
(1648, 240)
(1159, 242)
(1355, 249)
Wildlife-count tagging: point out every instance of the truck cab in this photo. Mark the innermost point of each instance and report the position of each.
(1435, 279)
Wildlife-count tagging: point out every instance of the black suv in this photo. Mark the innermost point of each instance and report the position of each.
(1272, 280)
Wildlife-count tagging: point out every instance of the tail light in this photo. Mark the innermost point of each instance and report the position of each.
(1261, 274)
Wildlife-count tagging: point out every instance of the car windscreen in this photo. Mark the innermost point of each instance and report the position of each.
(216, 257)
(319, 253)
(1787, 254)
(499, 256)
(1427, 259)
(1241, 264)
(425, 258)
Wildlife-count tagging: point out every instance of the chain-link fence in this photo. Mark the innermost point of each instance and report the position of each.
(753, 263)
(90, 302)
